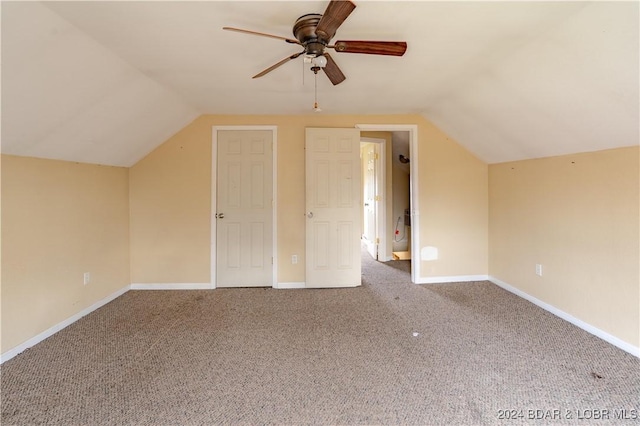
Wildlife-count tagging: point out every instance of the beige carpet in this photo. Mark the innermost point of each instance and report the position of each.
(389, 352)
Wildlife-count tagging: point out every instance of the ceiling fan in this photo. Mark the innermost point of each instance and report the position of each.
(314, 32)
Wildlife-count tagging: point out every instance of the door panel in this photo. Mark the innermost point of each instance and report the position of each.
(244, 243)
(334, 207)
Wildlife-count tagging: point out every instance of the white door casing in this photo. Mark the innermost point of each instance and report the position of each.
(243, 217)
(333, 207)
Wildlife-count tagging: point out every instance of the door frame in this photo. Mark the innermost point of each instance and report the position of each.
(214, 193)
(413, 187)
(381, 207)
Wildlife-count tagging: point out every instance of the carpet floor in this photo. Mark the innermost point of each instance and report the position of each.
(386, 353)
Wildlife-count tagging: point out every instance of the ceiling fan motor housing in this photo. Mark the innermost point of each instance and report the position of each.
(305, 32)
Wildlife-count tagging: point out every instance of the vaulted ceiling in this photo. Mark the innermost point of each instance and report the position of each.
(107, 82)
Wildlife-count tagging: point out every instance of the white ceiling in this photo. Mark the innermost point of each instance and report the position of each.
(107, 82)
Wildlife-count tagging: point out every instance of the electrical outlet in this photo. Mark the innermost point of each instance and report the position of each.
(294, 259)
(538, 269)
(87, 278)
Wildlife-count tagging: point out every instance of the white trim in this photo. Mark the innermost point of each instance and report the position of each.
(274, 205)
(413, 185)
(171, 286)
(452, 279)
(214, 206)
(290, 285)
(53, 330)
(214, 170)
(627, 347)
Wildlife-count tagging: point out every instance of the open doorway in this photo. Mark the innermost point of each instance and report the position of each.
(397, 227)
(328, 173)
(386, 217)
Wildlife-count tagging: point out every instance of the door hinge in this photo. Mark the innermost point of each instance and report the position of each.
(376, 156)
(377, 240)
(376, 198)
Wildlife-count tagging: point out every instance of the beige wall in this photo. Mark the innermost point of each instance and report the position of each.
(171, 191)
(171, 210)
(59, 220)
(453, 206)
(577, 216)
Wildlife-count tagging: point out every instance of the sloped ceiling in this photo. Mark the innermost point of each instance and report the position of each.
(106, 82)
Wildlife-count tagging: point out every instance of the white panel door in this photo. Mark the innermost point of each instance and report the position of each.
(370, 193)
(244, 216)
(333, 207)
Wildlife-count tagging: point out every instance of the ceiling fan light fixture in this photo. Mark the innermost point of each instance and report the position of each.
(320, 61)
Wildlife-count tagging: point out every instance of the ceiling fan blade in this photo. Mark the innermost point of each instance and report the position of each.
(393, 48)
(240, 30)
(333, 71)
(282, 62)
(337, 11)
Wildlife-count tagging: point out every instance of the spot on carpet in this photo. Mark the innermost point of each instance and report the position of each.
(596, 375)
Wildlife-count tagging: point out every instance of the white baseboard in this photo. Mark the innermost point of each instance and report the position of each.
(627, 347)
(452, 279)
(51, 331)
(171, 286)
(290, 285)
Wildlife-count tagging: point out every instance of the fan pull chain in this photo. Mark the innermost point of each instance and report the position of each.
(315, 89)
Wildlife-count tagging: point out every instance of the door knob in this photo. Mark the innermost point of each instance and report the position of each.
(310, 215)
(220, 216)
